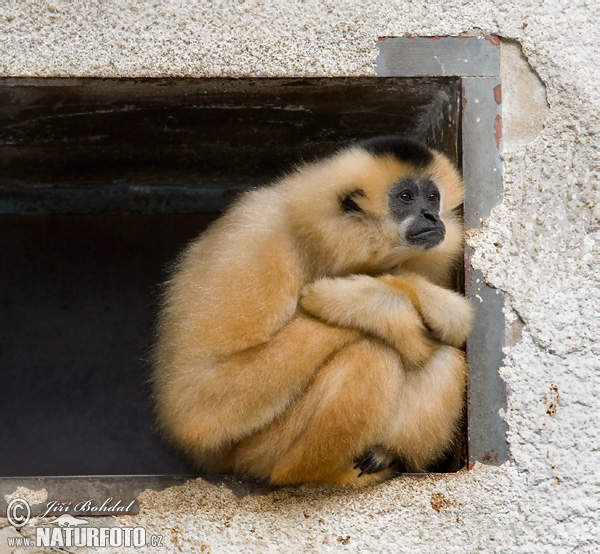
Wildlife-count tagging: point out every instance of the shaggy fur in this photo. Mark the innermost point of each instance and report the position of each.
(302, 335)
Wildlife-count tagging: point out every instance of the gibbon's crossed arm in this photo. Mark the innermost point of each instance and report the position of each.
(307, 336)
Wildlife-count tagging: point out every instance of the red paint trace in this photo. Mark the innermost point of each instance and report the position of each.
(498, 130)
(468, 272)
(493, 39)
(489, 458)
(498, 94)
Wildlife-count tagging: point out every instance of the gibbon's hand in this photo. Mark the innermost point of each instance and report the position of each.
(447, 314)
(450, 320)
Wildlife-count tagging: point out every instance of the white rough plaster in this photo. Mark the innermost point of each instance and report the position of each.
(32, 497)
(540, 246)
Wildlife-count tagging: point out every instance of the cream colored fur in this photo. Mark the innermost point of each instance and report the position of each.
(293, 337)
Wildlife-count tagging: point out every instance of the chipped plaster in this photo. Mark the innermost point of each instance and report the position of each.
(540, 246)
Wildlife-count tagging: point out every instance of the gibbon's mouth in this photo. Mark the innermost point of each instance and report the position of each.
(427, 238)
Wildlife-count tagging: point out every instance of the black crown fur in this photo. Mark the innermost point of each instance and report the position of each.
(405, 150)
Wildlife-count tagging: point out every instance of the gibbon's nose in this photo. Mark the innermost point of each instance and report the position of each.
(430, 216)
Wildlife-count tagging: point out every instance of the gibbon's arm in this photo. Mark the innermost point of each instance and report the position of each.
(399, 309)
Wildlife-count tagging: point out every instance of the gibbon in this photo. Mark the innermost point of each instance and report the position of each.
(307, 335)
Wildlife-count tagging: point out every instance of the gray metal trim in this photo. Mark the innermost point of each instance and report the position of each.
(481, 145)
(438, 56)
(486, 397)
(476, 60)
(482, 173)
(113, 491)
(121, 490)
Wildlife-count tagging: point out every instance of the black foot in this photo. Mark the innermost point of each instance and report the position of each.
(374, 460)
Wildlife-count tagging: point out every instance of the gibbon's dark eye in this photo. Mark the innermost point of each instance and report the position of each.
(433, 196)
(406, 196)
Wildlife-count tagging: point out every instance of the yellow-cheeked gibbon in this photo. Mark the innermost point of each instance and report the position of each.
(307, 335)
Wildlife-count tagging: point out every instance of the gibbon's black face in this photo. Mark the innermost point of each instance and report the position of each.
(418, 202)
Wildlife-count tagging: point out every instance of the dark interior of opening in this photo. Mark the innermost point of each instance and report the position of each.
(102, 182)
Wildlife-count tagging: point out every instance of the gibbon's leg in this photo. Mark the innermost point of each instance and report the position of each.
(429, 408)
(345, 410)
(432, 396)
(368, 304)
(206, 404)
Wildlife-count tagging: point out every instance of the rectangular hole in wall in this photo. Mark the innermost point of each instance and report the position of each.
(102, 182)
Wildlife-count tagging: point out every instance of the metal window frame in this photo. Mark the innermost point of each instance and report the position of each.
(476, 62)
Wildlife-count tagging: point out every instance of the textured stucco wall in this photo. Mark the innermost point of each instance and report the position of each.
(539, 246)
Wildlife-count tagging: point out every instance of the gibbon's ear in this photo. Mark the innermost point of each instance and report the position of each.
(349, 203)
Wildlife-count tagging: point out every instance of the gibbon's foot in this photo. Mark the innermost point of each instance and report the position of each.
(374, 460)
